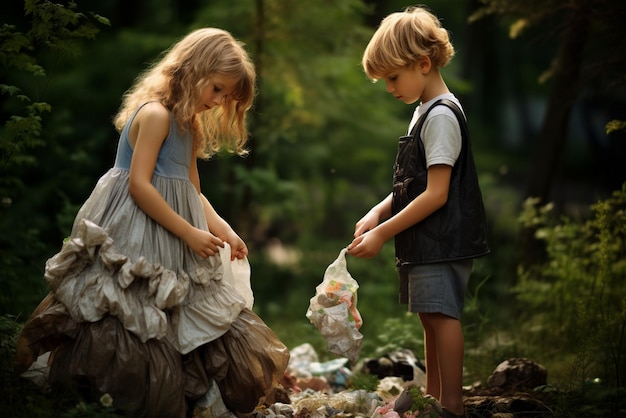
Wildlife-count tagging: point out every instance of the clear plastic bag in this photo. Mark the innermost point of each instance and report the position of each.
(333, 310)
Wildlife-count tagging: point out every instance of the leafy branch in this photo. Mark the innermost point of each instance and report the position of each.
(53, 27)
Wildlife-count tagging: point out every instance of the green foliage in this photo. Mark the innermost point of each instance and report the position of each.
(15, 397)
(363, 381)
(21, 282)
(396, 333)
(575, 300)
(21, 398)
(103, 409)
(53, 29)
(9, 329)
(424, 406)
(56, 25)
(323, 138)
(592, 399)
(615, 125)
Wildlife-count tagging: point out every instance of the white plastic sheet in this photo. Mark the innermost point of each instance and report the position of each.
(237, 274)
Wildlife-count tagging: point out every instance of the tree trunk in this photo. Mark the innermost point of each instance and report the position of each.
(553, 134)
(564, 92)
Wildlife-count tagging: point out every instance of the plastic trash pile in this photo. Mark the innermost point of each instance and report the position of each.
(320, 390)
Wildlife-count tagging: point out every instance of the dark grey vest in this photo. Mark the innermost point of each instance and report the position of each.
(458, 229)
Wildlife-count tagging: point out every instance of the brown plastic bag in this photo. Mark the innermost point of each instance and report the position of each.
(247, 362)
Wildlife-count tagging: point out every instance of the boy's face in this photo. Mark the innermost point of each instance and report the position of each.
(406, 84)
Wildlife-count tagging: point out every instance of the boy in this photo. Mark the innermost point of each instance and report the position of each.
(435, 212)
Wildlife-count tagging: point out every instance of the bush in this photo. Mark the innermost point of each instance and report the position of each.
(575, 303)
(19, 397)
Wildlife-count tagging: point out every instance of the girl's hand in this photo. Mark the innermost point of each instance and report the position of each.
(238, 248)
(366, 245)
(203, 243)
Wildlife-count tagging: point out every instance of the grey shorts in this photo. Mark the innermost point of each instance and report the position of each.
(435, 288)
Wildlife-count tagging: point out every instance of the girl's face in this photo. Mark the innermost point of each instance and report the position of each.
(215, 92)
(407, 84)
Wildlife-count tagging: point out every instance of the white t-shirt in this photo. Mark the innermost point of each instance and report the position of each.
(441, 133)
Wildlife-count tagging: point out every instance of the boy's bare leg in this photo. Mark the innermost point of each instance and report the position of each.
(433, 382)
(444, 360)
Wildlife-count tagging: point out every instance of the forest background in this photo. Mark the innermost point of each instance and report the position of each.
(542, 83)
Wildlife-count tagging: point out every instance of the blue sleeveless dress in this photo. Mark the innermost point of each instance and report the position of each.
(135, 313)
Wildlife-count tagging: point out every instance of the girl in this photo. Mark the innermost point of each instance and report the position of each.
(435, 212)
(138, 308)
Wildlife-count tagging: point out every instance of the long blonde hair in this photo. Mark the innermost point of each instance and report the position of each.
(178, 79)
(402, 38)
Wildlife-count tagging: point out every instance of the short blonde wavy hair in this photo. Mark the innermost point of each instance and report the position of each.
(402, 38)
(177, 80)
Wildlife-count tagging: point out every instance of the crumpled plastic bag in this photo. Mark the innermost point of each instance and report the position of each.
(237, 274)
(211, 404)
(247, 362)
(333, 310)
